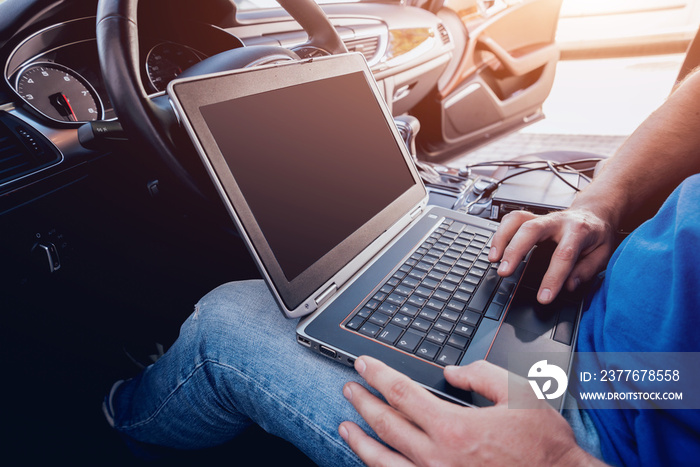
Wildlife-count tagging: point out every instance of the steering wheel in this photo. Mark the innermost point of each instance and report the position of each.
(151, 123)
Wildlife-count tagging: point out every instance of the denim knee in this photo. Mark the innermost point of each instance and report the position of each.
(231, 319)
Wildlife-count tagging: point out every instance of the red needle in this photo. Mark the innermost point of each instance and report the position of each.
(75, 119)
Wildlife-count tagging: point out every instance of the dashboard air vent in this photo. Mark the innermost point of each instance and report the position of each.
(367, 46)
(444, 35)
(22, 150)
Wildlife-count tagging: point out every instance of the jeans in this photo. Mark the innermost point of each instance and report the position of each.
(237, 362)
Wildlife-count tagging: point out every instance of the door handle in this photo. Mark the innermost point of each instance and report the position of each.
(519, 66)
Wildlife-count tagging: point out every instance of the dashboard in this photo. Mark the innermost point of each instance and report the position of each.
(56, 70)
(53, 87)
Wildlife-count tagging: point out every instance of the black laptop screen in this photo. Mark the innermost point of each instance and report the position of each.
(314, 161)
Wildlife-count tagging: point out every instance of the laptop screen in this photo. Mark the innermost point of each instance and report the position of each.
(308, 161)
(315, 162)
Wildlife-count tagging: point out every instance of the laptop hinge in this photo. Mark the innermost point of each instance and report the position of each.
(325, 295)
(415, 212)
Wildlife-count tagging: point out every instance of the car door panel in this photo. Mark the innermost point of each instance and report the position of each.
(504, 74)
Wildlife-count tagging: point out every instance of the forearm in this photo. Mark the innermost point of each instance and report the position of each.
(662, 152)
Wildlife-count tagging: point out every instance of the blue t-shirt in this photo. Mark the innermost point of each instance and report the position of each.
(649, 301)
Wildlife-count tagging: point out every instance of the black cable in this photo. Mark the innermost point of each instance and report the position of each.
(542, 165)
(516, 164)
(556, 172)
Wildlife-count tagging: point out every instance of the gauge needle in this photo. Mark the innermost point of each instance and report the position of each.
(61, 102)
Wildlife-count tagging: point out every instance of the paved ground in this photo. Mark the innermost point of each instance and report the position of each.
(594, 105)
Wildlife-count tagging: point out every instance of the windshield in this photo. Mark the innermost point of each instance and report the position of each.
(258, 4)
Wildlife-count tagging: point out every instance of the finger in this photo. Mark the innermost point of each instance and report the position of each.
(390, 425)
(368, 449)
(400, 392)
(560, 267)
(508, 227)
(482, 377)
(588, 266)
(528, 235)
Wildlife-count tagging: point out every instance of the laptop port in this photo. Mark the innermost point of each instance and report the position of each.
(328, 352)
(304, 341)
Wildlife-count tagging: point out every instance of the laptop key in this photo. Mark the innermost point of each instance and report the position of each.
(396, 299)
(389, 334)
(370, 329)
(429, 314)
(421, 324)
(448, 356)
(380, 319)
(427, 350)
(409, 310)
(468, 257)
(401, 320)
(449, 314)
(379, 296)
(388, 309)
(365, 312)
(442, 267)
(500, 298)
(355, 323)
(443, 326)
(472, 279)
(470, 317)
(442, 295)
(464, 330)
(481, 298)
(458, 341)
(455, 307)
(494, 311)
(399, 275)
(423, 292)
(416, 300)
(476, 272)
(437, 336)
(457, 227)
(415, 274)
(409, 341)
(459, 271)
(435, 304)
(436, 275)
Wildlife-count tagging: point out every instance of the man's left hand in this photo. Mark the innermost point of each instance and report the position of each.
(426, 430)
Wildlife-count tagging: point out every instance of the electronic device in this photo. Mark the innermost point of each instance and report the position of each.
(377, 270)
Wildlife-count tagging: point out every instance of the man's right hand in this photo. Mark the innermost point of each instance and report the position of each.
(585, 243)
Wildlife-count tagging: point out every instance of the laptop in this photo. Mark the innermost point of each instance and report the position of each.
(313, 171)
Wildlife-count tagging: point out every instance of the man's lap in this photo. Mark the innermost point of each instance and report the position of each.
(237, 361)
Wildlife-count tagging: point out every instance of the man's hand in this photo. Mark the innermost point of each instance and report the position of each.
(426, 430)
(585, 243)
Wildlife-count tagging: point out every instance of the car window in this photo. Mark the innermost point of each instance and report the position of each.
(260, 4)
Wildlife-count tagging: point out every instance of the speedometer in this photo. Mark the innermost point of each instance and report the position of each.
(166, 61)
(59, 93)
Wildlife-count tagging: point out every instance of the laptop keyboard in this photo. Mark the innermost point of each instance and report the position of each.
(434, 302)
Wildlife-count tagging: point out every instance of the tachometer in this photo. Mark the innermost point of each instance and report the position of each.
(166, 61)
(59, 93)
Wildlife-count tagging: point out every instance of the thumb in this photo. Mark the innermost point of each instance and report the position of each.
(482, 377)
